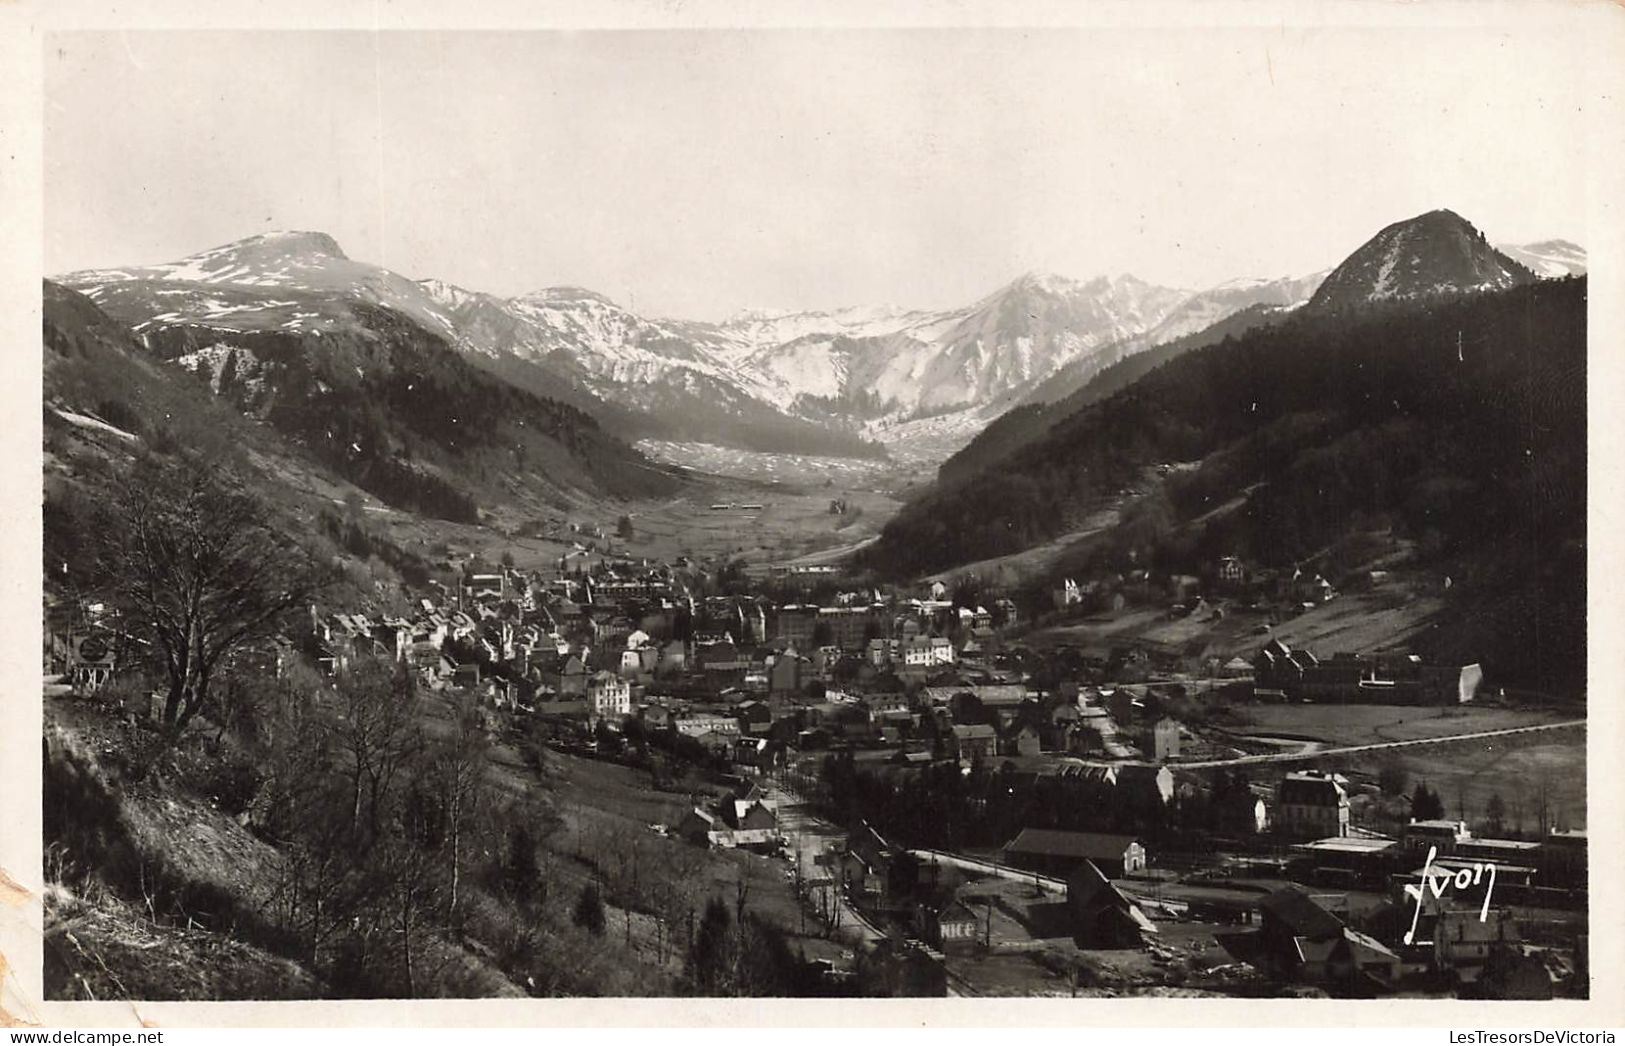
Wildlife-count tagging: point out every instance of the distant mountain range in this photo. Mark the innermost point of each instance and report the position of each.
(861, 381)
(1549, 258)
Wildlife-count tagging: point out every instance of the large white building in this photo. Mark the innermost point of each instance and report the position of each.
(610, 696)
(1312, 805)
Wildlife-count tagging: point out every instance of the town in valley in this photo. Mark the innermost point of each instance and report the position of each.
(451, 589)
(950, 794)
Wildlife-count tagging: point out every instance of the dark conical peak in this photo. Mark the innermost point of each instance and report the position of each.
(1441, 214)
(1436, 253)
(1443, 218)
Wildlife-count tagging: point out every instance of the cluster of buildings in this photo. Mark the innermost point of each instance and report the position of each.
(1227, 578)
(1281, 671)
(1452, 907)
(743, 676)
(1313, 808)
(745, 821)
(1317, 939)
(952, 913)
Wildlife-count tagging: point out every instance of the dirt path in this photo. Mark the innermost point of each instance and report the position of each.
(811, 836)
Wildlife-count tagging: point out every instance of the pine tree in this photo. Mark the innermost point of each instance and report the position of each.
(1425, 803)
(522, 872)
(589, 913)
(708, 959)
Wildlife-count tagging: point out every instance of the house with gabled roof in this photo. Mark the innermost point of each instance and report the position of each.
(746, 823)
(972, 742)
(947, 925)
(872, 867)
(1102, 916)
(1021, 739)
(1301, 940)
(573, 677)
(1312, 805)
(1060, 853)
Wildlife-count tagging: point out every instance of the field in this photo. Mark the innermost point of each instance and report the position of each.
(1517, 768)
(793, 523)
(1340, 725)
(768, 467)
(1464, 773)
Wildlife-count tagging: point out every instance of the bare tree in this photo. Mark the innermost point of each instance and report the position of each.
(194, 570)
(376, 728)
(459, 768)
(409, 892)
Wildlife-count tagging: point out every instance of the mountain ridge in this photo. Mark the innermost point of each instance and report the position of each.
(845, 381)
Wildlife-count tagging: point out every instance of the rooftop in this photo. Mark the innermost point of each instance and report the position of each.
(1464, 864)
(1346, 844)
(1053, 843)
(1301, 913)
(1508, 845)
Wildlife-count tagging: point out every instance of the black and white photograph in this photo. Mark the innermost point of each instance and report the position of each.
(824, 512)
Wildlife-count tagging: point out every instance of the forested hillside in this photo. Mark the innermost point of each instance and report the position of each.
(383, 403)
(1459, 426)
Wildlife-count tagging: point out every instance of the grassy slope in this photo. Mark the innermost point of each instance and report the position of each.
(116, 842)
(98, 947)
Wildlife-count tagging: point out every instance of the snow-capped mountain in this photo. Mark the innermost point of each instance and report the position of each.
(920, 382)
(755, 329)
(668, 379)
(274, 279)
(1551, 259)
(956, 359)
(764, 380)
(1437, 253)
(1205, 308)
(355, 368)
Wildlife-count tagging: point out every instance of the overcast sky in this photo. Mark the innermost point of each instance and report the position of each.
(695, 173)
